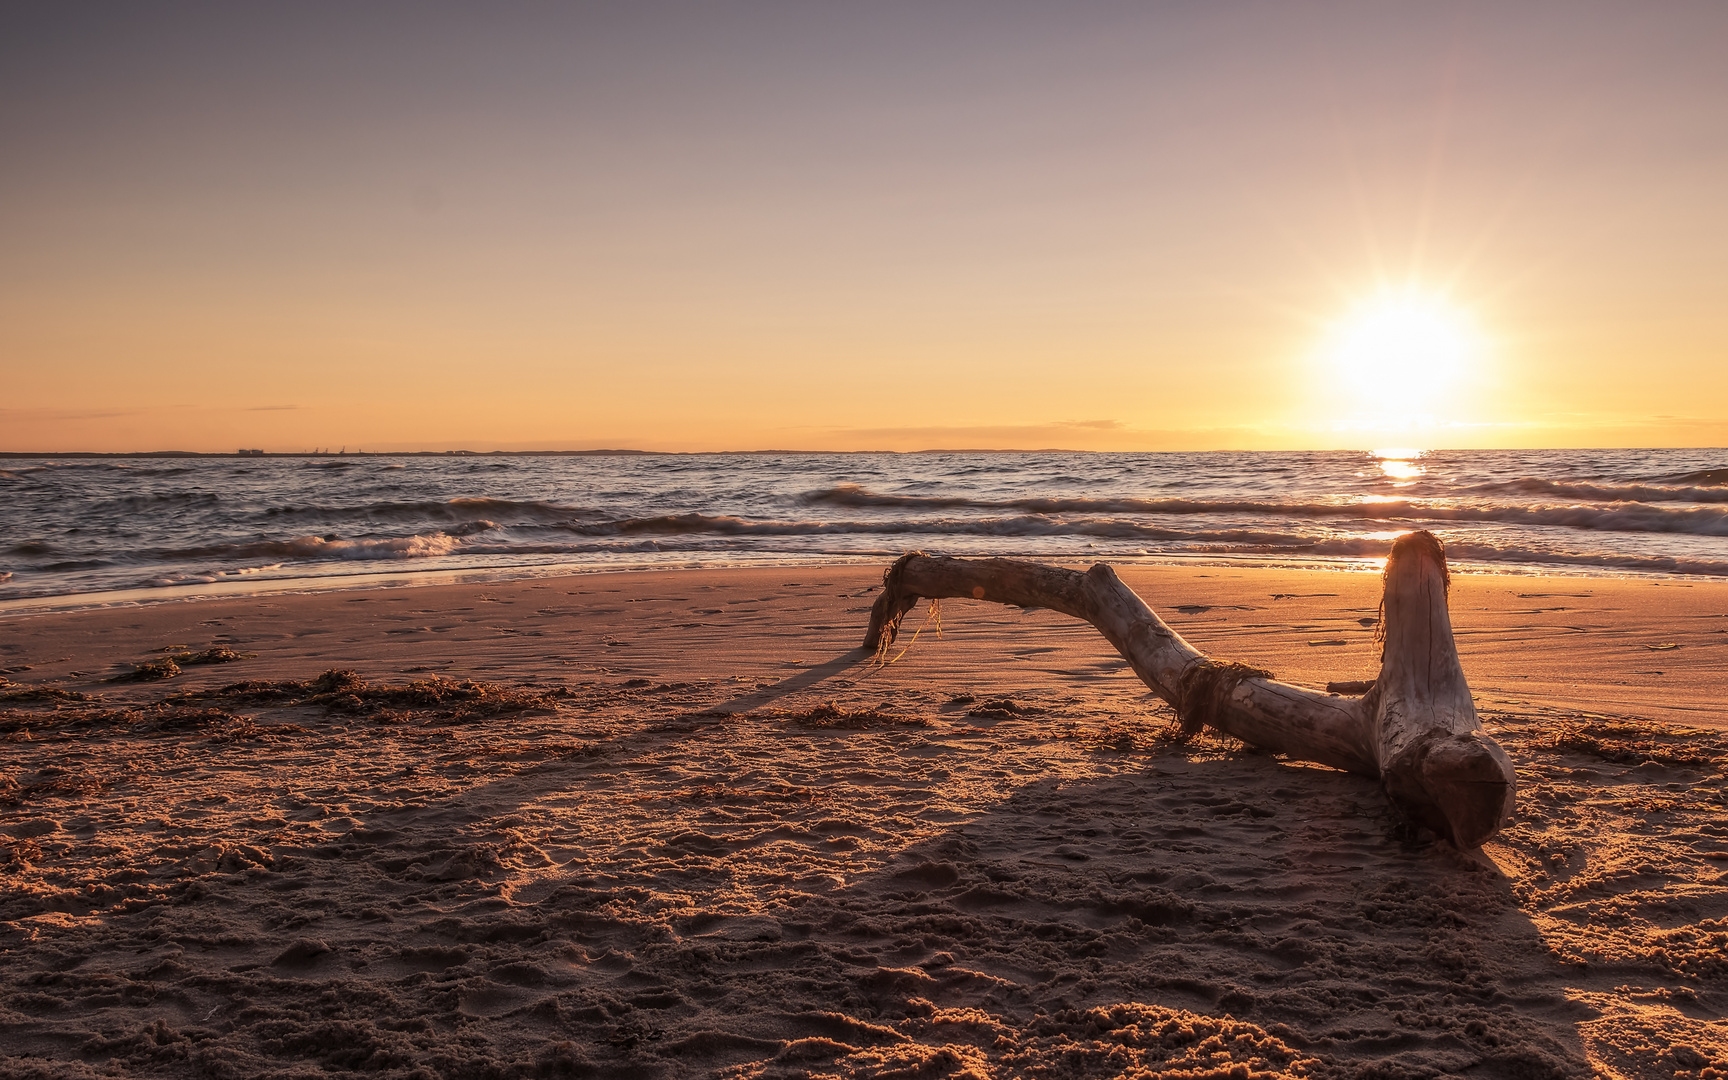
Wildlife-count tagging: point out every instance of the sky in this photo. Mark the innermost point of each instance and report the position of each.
(863, 226)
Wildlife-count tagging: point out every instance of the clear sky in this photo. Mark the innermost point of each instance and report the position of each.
(712, 225)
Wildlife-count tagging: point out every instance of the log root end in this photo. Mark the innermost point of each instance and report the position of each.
(1464, 784)
(891, 605)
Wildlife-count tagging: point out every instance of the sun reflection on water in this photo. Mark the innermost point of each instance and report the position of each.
(1400, 463)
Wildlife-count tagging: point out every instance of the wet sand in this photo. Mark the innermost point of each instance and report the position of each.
(675, 824)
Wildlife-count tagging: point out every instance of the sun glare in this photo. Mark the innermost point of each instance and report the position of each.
(1399, 463)
(1400, 355)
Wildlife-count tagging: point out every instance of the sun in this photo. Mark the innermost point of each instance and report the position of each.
(1401, 355)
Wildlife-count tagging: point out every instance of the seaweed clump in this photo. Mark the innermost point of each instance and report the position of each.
(17, 692)
(1005, 709)
(1632, 744)
(167, 667)
(216, 654)
(150, 671)
(831, 715)
(1205, 685)
(160, 719)
(345, 692)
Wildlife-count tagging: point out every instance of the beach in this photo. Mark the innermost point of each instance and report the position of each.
(676, 823)
(453, 457)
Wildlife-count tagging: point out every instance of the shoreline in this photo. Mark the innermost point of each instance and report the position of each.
(250, 585)
(1651, 648)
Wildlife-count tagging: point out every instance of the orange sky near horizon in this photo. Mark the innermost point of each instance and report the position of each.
(897, 227)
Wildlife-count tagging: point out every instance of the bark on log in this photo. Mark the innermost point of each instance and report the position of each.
(1415, 730)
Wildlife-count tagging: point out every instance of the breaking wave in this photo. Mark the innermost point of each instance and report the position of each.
(1470, 551)
(948, 535)
(1532, 485)
(1707, 477)
(1621, 517)
(459, 509)
(320, 547)
(722, 525)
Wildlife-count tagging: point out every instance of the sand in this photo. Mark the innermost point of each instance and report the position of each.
(674, 824)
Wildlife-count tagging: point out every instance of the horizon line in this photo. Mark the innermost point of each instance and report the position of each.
(622, 452)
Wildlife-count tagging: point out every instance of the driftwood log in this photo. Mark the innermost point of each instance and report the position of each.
(1415, 728)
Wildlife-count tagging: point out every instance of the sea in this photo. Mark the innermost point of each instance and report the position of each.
(96, 531)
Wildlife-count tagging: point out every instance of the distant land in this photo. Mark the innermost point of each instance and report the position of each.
(321, 453)
(493, 453)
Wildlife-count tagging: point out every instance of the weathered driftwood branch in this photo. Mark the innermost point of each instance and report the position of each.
(1415, 729)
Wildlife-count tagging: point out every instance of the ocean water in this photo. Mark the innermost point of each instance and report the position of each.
(97, 530)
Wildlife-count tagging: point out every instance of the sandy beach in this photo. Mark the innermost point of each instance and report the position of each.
(450, 455)
(676, 824)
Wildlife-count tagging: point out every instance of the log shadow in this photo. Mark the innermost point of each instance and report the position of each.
(1154, 919)
(1187, 906)
(802, 681)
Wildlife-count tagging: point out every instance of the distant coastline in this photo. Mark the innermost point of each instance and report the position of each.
(508, 453)
(322, 453)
